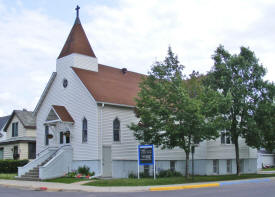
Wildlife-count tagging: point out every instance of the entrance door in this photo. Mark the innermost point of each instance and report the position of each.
(1, 153)
(107, 161)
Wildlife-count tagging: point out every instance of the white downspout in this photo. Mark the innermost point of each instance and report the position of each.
(101, 133)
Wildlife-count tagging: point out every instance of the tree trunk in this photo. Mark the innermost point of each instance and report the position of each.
(237, 155)
(187, 165)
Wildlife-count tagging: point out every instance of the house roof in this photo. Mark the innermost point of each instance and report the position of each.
(63, 113)
(77, 42)
(111, 85)
(25, 117)
(3, 121)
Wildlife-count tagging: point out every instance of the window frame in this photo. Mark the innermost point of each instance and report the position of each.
(14, 129)
(116, 131)
(226, 138)
(215, 166)
(46, 135)
(61, 137)
(84, 131)
(173, 165)
(229, 166)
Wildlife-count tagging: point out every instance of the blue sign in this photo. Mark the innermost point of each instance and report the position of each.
(146, 154)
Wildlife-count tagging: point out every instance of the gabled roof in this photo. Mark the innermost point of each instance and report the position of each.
(25, 117)
(77, 42)
(3, 121)
(111, 85)
(62, 113)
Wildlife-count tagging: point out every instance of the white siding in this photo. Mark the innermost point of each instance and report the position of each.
(79, 103)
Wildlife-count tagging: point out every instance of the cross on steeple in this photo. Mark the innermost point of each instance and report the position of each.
(77, 11)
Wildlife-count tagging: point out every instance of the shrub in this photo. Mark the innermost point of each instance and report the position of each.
(132, 175)
(84, 170)
(169, 173)
(144, 175)
(11, 166)
(71, 174)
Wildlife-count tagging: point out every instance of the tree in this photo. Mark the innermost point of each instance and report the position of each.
(174, 111)
(262, 132)
(241, 77)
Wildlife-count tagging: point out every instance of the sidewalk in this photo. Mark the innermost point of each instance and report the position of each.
(49, 186)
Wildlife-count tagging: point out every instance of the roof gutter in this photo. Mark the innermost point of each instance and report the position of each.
(115, 104)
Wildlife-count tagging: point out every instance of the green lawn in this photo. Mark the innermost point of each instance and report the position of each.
(172, 180)
(67, 180)
(7, 176)
(269, 169)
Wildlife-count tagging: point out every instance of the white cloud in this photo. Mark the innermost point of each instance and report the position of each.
(131, 34)
(29, 49)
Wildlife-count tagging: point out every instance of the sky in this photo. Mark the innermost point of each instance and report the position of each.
(125, 33)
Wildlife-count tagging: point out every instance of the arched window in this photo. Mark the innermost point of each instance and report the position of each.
(116, 130)
(84, 130)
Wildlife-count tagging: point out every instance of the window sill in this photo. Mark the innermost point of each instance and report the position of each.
(116, 142)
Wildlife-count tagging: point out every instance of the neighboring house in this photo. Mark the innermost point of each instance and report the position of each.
(83, 115)
(3, 121)
(265, 159)
(20, 136)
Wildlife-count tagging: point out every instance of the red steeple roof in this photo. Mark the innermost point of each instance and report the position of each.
(77, 41)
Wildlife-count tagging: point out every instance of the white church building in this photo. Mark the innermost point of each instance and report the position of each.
(82, 118)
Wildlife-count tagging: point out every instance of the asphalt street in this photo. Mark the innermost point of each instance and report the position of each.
(264, 189)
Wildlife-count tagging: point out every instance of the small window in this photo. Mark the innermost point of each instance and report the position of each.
(61, 136)
(65, 83)
(84, 130)
(173, 166)
(216, 166)
(242, 165)
(229, 166)
(68, 139)
(225, 138)
(15, 129)
(46, 135)
(116, 130)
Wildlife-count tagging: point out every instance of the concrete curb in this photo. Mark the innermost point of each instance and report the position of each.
(184, 187)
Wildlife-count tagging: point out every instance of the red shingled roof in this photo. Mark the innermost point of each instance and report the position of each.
(77, 42)
(110, 84)
(63, 113)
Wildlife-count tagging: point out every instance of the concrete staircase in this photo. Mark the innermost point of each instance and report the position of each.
(33, 174)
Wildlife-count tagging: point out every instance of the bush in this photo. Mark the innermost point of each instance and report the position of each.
(144, 175)
(85, 170)
(11, 166)
(169, 173)
(71, 174)
(132, 175)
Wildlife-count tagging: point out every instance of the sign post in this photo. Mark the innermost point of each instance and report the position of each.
(146, 157)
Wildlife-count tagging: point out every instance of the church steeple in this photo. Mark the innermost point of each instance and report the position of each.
(77, 41)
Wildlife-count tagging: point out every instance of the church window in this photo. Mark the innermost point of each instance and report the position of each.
(65, 83)
(84, 130)
(116, 130)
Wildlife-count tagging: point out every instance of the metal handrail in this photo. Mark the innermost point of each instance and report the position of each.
(37, 154)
